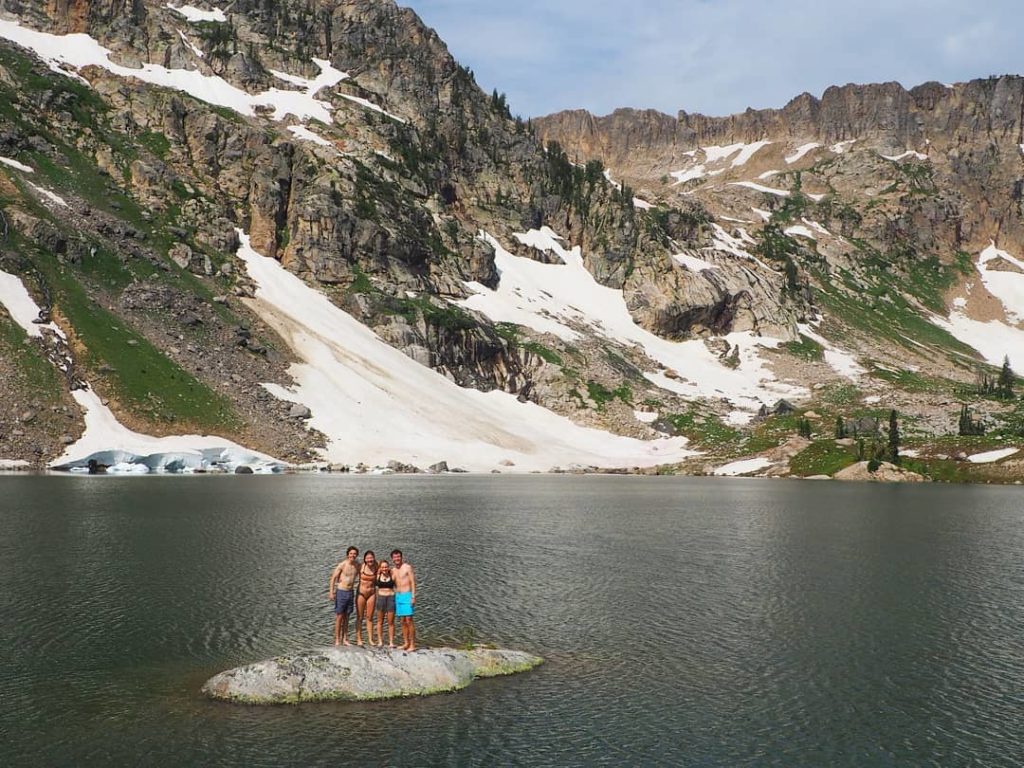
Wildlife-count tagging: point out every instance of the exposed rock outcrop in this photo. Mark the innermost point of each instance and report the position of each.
(358, 674)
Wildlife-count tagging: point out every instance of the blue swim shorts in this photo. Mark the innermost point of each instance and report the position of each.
(403, 604)
(343, 600)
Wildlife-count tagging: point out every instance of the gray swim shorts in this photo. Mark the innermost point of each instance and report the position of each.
(343, 602)
(385, 604)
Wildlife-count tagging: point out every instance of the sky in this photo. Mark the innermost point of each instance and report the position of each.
(718, 57)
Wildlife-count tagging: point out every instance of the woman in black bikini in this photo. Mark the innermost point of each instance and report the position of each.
(385, 603)
(367, 597)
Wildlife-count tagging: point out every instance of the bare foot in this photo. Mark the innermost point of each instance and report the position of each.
(359, 642)
(346, 642)
(391, 646)
(411, 649)
(337, 643)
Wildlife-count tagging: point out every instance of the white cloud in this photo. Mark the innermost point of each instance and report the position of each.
(716, 56)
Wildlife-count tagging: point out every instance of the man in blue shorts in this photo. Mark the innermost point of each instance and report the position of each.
(342, 593)
(405, 598)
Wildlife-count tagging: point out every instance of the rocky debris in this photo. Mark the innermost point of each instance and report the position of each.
(886, 473)
(400, 468)
(362, 674)
(438, 468)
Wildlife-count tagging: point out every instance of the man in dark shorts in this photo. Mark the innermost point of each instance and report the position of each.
(405, 598)
(342, 593)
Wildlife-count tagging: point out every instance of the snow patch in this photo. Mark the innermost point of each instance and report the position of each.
(989, 457)
(681, 177)
(188, 43)
(6, 465)
(643, 205)
(747, 151)
(15, 164)
(646, 417)
(301, 132)
(905, 155)
(765, 215)
(744, 467)
(51, 196)
(760, 188)
(22, 307)
(768, 174)
(798, 230)
(841, 147)
(692, 263)
(800, 151)
(376, 404)
(838, 360)
(194, 14)
(63, 53)
(108, 442)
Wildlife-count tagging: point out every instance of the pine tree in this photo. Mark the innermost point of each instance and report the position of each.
(894, 438)
(1004, 385)
(840, 428)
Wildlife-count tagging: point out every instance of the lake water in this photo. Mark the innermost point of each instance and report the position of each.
(684, 621)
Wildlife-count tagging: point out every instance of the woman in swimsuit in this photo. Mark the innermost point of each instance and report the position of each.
(385, 603)
(367, 597)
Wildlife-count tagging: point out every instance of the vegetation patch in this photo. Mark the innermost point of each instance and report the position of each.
(823, 457)
(806, 348)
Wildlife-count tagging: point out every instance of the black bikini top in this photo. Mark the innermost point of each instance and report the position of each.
(386, 583)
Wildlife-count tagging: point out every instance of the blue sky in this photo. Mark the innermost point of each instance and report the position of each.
(718, 56)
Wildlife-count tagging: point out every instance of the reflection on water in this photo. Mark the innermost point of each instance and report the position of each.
(685, 621)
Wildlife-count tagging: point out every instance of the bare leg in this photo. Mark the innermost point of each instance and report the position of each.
(360, 608)
(408, 634)
(391, 629)
(337, 629)
(368, 606)
(344, 629)
(380, 627)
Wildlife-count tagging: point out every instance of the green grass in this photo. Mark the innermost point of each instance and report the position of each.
(911, 381)
(35, 373)
(155, 142)
(601, 395)
(706, 430)
(823, 457)
(806, 348)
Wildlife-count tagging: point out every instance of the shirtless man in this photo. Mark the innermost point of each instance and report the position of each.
(405, 598)
(342, 593)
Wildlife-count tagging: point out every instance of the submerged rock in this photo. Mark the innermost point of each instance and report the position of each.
(362, 674)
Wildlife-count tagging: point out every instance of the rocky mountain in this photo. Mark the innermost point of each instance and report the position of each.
(273, 232)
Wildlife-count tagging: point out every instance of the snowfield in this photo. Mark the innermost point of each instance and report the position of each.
(990, 457)
(194, 14)
(376, 404)
(993, 339)
(565, 300)
(743, 467)
(801, 151)
(11, 162)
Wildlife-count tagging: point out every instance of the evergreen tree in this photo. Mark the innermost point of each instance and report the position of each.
(894, 438)
(1004, 385)
(840, 428)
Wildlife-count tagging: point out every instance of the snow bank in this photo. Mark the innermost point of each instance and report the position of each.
(15, 164)
(744, 467)
(8, 465)
(838, 360)
(799, 230)
(188, 43)
(691, 262)
(994, 338)
(194, 14)
(681, 177)
(905, 155)
(65, 53)
(53, 197)
(375, 404)
(842, 146)
(747, 151)
(110, 443)
(643, 205)
(564, 299)
(760, 188)
(22, 307)
(990, 457)
(802, 150)
(646, 417)
(301, 132)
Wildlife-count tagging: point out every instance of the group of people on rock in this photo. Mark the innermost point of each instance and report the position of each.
(379, 591)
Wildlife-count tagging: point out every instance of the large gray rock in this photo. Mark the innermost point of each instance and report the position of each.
(362, 674)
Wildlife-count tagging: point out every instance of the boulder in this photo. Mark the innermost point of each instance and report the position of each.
(439, 467)
(362, 674)
(299, 411)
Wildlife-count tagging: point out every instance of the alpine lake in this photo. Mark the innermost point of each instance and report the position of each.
(684, 621)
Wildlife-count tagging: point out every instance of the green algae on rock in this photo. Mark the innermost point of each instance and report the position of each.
(362, 674)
